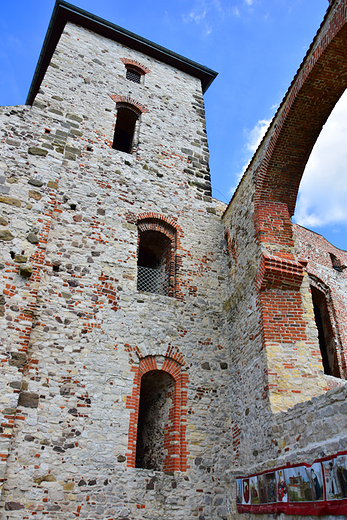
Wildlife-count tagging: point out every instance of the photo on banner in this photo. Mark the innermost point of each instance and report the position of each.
(262, 489)
(332, 481)
(253, 482)
(282, 493)
(239, 491)
(270, 479)
(246, 495)
(315, 476)
(341, 471)
(298, 484)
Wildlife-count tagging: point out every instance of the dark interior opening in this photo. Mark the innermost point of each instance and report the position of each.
(326, 336)
(125, 128)
(154, 248)
(154, 262)
(133, 75)
(156, 401)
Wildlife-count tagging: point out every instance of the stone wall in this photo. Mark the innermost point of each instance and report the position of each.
(304, 433)
(279, 386)
(244, 388)
(70, 391)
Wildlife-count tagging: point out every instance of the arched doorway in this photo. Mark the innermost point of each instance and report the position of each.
(156, 409)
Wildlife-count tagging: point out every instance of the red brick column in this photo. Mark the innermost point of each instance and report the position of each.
(291, 348)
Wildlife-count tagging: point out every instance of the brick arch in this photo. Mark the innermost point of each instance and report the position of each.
(312, 96)
(133, 64)
(174, 437)
(278, 167)
(168, 221)
(151, 221)
(130, 103)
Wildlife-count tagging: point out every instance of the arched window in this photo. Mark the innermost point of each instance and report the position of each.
(127, 117)
(156, 410)
(135, 71)
(126, 133)
(153, 262)
(133, 75)
(158, 403)
(326, 338)
(156, 260)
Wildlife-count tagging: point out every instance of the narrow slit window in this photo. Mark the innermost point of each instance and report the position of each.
(125, 129)
(326, 336)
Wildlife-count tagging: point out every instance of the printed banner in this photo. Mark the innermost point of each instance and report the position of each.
(300, 489)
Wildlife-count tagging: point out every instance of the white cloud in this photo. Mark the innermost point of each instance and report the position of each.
(322, 199)
(253, 140)
(217, 4)
(249, 2)
(204, 11)
(235, 11)
(323, 190)
(256, 134)
(196, 16)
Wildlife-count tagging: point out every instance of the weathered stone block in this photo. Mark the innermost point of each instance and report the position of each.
(33, 238)
(35, 182)
(6, 235)
(11, 201)
(18, 359)
(25, 270)
(34, 150)
(28, 400)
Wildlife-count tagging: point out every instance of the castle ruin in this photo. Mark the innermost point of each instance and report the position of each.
(164, 355)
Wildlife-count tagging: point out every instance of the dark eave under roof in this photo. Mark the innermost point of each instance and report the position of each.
(64, 12)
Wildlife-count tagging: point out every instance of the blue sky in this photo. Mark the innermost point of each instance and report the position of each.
(255, 45)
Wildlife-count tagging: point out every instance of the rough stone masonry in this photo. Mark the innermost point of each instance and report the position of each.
(156, 344)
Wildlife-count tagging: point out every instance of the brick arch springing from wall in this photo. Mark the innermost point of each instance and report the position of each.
(318, 85)
(130, 102)
(278, 168)
(150, 221)
(176, 458)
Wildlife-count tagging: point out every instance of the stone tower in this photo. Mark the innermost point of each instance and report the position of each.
(112, 275)
(164, 356)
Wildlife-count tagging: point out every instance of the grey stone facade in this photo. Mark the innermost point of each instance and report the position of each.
(77, 335)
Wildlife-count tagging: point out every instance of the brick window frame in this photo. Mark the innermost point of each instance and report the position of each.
(341, 358)
(135, 110)
(136, 67)
(168, 227)
(176, 457)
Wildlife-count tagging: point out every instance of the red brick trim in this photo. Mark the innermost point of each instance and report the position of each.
(23, 322)
(277, 272)
(133, 64)
(175, 433)
(169, 227)
(130, 102)
(168, 220)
